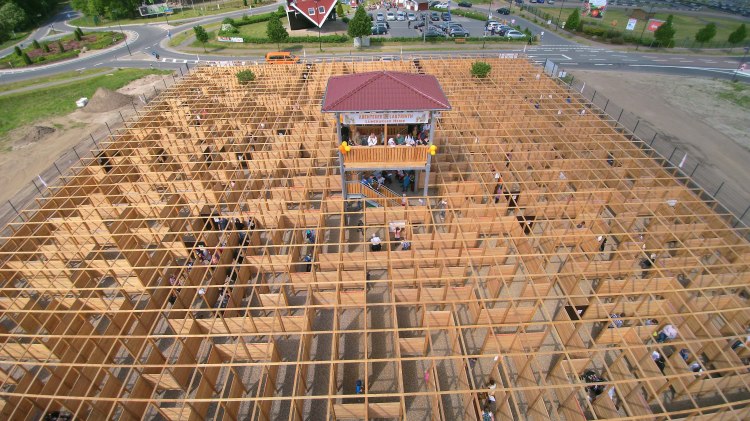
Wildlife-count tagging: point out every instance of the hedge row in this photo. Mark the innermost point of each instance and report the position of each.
(326, 39)
(465, 13)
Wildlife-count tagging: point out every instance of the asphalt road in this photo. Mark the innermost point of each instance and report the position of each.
(144, 40)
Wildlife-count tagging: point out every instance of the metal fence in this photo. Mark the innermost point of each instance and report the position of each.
(19, 207)
(723, 194)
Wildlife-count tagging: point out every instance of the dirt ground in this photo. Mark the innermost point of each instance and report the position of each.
(689, 112)
(35, 148)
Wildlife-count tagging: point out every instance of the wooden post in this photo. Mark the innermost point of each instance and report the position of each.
(342, 169)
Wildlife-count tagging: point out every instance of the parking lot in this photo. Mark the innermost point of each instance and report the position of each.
(403, 29)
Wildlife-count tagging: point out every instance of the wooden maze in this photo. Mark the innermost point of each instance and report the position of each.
(132, 292)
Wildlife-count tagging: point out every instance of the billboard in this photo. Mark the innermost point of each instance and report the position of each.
(595, 8)
(155, 9)
(631, 24)
(653, 24)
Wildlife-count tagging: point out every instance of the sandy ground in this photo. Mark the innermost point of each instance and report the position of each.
(690, 115)
(34, 149)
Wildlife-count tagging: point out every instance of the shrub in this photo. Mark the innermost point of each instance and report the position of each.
(35, 44)
(594, 31)
(245, 76)
(18, 51)
(573, 20)
(480, 69)
(244, 3)
(77, 35)
(228, 21)
(245, 18)
(345, 19)
(60, 47)
(26, 58)
(45, 47)
(617, 40)
(612, 33)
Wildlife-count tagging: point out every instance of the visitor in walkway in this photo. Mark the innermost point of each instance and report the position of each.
(309, 237)
(498, 193)
(307, 259)
(405, 245)
(397, 234)
(375, 243)
(405, 183)
(668, 332)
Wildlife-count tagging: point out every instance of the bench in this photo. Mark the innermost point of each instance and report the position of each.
(460, 40)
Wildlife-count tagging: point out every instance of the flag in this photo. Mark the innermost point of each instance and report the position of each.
(683, 160)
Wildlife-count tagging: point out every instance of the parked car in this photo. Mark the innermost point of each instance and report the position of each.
(433, 32)
(379, 29)
(434, 16)
(401, 16)
(503, 31)
(503, 11)
(464, 4)
(418, 25)
(411, 16)
(390, 16)
(491, 24)
(550, 1)
(441, 6)
(456, 25)
(380, 17)
(446, 16)
(514, 34)
(458, 33)
(434, 3)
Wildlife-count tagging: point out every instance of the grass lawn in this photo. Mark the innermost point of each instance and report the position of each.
(253, 30)
(686, 25)
(56, 78)
(71, 48)
(186, 13)
(27, 107)
(20, 36)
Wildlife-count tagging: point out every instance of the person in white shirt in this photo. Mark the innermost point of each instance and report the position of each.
(410, 140)
(372, 140)
(375, 243)
(391, 143)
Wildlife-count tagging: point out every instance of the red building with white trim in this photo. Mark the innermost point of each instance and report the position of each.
(310, 13)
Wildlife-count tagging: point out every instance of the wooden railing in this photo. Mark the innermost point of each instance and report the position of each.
(385, 193)
(386, 156)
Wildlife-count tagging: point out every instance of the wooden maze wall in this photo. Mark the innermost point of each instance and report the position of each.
(107, 314)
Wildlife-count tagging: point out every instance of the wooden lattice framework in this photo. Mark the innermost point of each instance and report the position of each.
(92, 325)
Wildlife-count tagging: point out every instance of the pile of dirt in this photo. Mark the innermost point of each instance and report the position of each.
(32, 135)
(106, 100)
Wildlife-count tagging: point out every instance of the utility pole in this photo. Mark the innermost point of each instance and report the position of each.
(645, 24)
(559, 16)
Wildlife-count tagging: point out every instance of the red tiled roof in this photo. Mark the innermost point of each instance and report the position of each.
(384, 91)
(303, 7)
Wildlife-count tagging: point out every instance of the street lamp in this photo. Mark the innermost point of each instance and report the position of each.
(559, 16)
(734, 76)
(320, 43)
(645, 24)
(489, 13)
(123, 32)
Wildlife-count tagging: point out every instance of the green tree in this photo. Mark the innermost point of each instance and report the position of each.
(12, 16)
(201, 35)
(574, 18)
(738, 35)
(340, 10)
(45, 47)
(480, 69)
(60, 47)
(664, 34)
(706, 33)
(35, 44)
(27, 59)
(77, 35)
(79, 31)
(245, 76)
(18, 51)
(281, 11)
(244, 3)
(360, 25)
(276, 31)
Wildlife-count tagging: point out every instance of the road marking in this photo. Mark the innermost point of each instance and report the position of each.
(601, 64)
(598, 59)
(706, 69)
(571, 64)
(81, 69)
(686, 61)
(730, 62)
(629, 59)
(98, 64)
(566, 57)
(661, 61)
